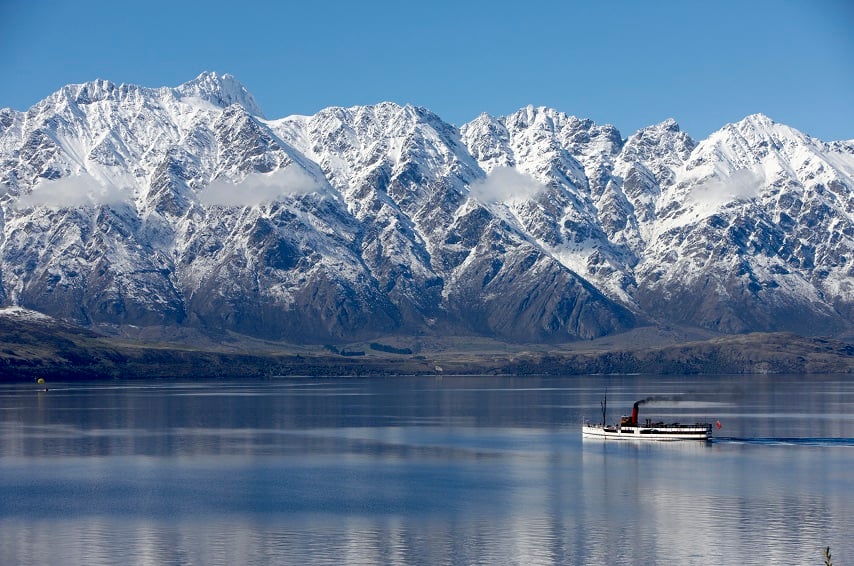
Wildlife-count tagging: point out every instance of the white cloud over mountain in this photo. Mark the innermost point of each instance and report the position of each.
(506, 183)
(75, 191)
(258, 188)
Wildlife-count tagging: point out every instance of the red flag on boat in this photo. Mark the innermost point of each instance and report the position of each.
(718, 424)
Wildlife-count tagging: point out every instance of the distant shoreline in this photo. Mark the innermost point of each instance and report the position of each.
(60, 352)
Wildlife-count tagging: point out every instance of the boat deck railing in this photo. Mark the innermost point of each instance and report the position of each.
(660, 425)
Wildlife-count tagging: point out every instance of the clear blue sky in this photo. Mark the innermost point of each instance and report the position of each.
(628, 63)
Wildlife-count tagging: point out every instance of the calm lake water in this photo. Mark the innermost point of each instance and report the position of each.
(474, 470)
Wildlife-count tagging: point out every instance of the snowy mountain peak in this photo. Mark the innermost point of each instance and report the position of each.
(754, 140)
(182, 205)
(541, 117)
(664, 143)
(759, 128)
(221, 90)
(758, 118)
(668, 125)
(80, 94)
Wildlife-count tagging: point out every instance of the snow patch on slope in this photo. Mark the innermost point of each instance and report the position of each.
(20, 313)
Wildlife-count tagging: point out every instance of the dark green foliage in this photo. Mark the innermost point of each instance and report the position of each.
(390, 349)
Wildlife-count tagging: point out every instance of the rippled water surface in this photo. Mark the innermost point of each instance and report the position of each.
(476, 470)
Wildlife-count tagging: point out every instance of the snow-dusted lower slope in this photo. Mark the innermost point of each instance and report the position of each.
(185, 206)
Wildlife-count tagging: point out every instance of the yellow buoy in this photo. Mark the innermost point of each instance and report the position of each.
(40, 381)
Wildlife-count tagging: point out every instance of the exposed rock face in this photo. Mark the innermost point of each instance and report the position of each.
(184, 206)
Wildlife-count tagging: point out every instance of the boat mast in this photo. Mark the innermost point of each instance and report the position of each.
(604, 404)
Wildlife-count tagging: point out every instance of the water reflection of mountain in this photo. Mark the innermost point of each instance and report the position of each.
(718, 501)
(256, 417)
(480, 470)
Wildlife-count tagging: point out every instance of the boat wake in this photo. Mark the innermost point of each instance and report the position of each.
(784, 441)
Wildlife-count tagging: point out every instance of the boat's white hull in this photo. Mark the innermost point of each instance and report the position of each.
(665, 432)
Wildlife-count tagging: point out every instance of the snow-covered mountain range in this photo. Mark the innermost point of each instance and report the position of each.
(124, 205)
